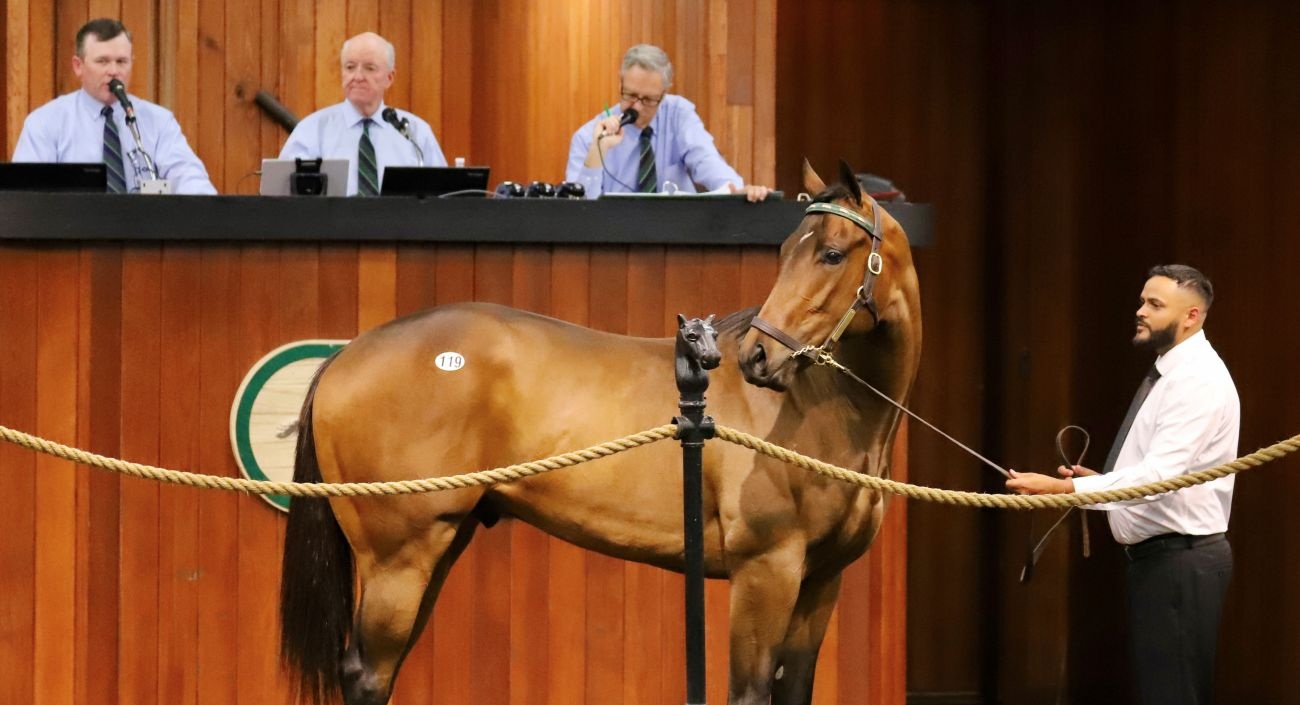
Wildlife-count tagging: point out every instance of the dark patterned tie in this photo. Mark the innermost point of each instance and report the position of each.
(646, 178)
(113, 153)
(367, 167)
(1143, 390)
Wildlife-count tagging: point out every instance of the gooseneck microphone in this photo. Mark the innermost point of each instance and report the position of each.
(403, 126)
(119, 91)
(145, 168)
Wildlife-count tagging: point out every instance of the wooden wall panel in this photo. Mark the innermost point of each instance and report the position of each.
(503, 82)
(1066, 149)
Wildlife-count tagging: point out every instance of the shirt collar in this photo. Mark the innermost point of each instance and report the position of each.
(88, 103)
(354, 116)
(1181, 353)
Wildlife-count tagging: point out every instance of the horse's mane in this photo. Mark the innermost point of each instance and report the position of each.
(835, 192)
(735, 323)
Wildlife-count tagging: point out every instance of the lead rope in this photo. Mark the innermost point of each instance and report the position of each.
(821, 357)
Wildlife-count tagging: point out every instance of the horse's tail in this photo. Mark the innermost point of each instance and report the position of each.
(316, 588)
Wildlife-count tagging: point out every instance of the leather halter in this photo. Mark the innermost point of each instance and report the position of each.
(866, 294)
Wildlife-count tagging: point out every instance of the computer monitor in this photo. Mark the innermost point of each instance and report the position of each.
(433, 180)
(277, 173)
(91, 177)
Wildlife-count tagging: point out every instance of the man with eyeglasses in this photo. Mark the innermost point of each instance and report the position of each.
(355, 129)
(666, 144)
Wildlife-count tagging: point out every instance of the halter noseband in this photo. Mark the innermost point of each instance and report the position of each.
(865, 298)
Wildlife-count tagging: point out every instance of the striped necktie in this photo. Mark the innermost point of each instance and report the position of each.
(113, 153)
(367, 167)
(1143, 391)
(646, 178)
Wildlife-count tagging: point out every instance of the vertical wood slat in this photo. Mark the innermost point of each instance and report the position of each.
(138, 571)
(98, 497)
(56, 418)
(178, 444)
(260, 526)
(218, 589)
(18, 504)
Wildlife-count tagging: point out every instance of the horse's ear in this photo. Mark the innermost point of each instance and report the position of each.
(709, 320)
(681, 321)
(812, 183)
(851, 180)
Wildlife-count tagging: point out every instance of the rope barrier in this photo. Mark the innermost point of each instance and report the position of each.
(344, 489)
(1009, 501)
(520, 471)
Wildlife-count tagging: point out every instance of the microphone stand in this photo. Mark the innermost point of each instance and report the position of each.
(405, 129)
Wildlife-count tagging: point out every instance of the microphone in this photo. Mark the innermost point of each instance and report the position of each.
(403, 126)
(276, 110)
(629, 116)
(117, 89)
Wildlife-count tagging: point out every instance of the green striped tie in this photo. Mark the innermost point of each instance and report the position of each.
(367, 167)
(113, 153)
(646, 178)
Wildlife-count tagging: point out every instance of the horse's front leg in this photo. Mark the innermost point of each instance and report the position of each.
(764, 589)
(803, 639)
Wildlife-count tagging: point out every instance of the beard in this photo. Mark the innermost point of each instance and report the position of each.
(1156, 340)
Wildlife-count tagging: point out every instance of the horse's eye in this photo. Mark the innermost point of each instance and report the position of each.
(692, 337)
(832, 256)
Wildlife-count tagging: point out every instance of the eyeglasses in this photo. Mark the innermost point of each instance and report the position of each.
(632, 99)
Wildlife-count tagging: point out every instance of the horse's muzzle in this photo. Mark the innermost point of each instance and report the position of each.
(765, 363)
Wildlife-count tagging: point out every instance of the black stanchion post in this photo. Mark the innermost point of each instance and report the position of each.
(696, 353)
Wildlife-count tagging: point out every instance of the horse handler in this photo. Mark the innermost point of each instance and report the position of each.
(1185, 417)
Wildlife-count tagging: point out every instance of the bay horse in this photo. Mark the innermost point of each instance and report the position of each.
(383, 409)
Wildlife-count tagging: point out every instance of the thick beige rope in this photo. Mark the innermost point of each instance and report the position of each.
(347, 489)
(1009, 501)
(523, 470)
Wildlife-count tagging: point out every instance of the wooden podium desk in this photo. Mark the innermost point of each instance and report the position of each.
(126, 326)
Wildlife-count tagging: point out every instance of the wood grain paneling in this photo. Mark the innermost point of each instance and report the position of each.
(503, 82)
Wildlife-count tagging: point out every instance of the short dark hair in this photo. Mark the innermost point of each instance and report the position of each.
(103, 28)
(1186, 278)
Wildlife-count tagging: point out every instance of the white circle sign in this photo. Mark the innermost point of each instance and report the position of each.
(449, 361)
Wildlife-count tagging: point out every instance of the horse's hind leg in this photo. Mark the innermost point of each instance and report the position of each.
(797, 664)
(397, 596)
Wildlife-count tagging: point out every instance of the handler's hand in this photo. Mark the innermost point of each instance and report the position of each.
(1034, 483)
(1075, 471)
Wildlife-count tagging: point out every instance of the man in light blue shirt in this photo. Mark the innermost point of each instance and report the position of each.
(355, 129)
(75, 128)
(668, 145)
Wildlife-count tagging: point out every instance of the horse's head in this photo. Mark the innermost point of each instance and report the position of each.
(697, 339)
(844, 271)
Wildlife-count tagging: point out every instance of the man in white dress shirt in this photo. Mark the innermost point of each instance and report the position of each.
(1186, 417)
(355, 129)
(88, 125)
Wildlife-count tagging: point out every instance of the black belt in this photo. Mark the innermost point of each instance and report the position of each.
(1169, 542)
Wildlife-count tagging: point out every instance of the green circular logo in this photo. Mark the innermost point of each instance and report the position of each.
(264, 417)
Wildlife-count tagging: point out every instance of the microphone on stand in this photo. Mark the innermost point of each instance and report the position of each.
(146, 171)
(119, 91)
(403, 126)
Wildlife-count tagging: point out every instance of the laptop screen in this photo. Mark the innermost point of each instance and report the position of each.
(434, 180)
(276, 175)
(91, 177)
